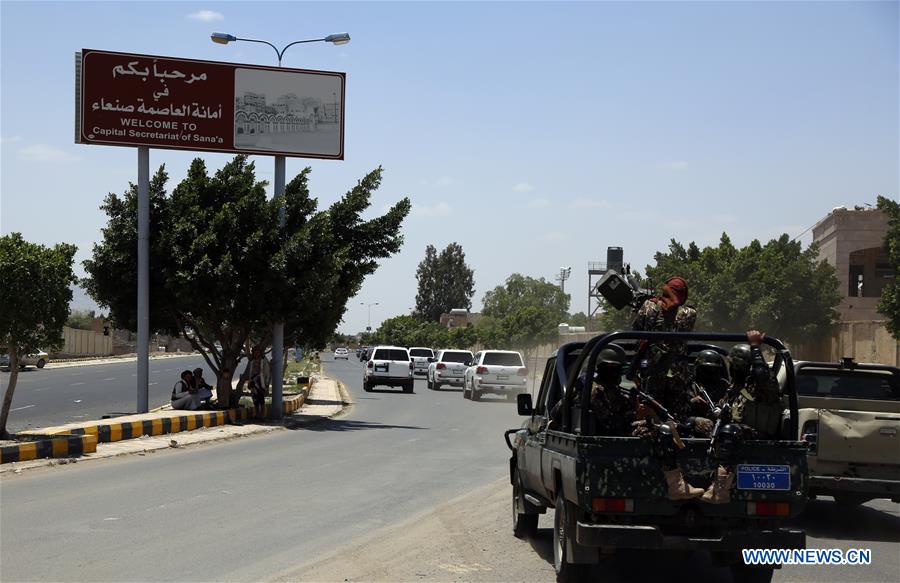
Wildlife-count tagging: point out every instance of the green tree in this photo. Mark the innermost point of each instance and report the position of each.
(445, 282)
(523, 313)
(222, 271)
(889, 304)
(778, 287)
(397, 331)
(521, 291)
(81, 319)
(35, 295)
(463, 337)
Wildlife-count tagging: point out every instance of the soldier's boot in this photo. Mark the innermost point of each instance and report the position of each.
(719, 492)
(678, 488)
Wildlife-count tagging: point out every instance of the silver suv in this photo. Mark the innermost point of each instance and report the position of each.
(389, 366)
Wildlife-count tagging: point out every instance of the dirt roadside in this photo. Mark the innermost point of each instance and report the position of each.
(466, 539)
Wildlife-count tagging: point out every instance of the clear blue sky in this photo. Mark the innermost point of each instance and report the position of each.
(534, 134)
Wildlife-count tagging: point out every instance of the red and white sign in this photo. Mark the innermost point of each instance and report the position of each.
(125, 99)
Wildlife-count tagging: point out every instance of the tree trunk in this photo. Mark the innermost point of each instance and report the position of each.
(8, 397)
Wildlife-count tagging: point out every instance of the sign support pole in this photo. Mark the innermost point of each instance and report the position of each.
(143, 299)
(277, 411)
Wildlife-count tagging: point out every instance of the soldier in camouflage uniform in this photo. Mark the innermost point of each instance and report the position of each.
(755, 393)
(710, 376)
(755, 399)
(613, 412)
(665, 374)
(664, 371)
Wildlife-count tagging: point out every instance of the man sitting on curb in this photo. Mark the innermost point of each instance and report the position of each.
(183, 392)
(204, 391)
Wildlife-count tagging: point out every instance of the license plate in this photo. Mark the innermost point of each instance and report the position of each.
(760, 477)
(502, 377)
(381, 368)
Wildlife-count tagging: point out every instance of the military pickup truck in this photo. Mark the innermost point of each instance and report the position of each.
(609, 493)
(850, 418)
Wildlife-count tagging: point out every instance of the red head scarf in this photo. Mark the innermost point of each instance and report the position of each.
(679, 289)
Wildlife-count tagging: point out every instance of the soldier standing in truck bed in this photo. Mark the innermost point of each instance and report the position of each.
(663, 370)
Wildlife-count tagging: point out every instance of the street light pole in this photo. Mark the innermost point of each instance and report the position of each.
(369, 324)
(277, 410)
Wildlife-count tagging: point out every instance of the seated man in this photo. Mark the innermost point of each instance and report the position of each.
(204, 391)
(755, 394)
(612, 411)
(183, 392)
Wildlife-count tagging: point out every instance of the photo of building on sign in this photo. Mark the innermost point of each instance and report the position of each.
(287, 112)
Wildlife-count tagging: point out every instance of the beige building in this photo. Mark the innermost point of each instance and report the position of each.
(851, 240)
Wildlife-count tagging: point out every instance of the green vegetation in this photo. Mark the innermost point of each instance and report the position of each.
(778, 287)
(35, 295)
(221, 271)
(889, 304)
(81, 319)
(445, 282)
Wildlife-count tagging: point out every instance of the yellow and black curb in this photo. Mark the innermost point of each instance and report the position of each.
(74, 441)
(56, 446)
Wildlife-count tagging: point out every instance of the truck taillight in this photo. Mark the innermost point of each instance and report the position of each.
(411, 365)
(523, 372)
(371, 364)
(481, 370)
(613, 505)
(440, 366)
(810, 434)
(768, 509)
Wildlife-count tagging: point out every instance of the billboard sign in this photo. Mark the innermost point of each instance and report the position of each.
(124, 99)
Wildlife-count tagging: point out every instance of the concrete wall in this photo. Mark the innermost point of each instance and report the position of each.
(85, 343)
(865, 341)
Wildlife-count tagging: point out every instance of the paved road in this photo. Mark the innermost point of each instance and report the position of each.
(376, 479)
(48, 397)
(257, 507)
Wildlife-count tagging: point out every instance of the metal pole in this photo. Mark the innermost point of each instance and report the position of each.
(143, 299)
(277, 411)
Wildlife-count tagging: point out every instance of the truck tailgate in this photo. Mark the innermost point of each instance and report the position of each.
(629, 468)
(860, 437)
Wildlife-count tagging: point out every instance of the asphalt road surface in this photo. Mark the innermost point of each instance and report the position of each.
(55, 396)
(402, 487)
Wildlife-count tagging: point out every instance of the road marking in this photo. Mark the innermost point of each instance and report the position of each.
(76, 384)
(42, 389)
(110, 379)
(25, 407)
(151, 384)
(77, 400)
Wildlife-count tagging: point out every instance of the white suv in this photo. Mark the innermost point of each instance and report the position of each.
(449, 368)
(500, 372)
(421, 358)
(389, 366)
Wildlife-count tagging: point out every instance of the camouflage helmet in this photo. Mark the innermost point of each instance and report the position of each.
(612, 354)
(708, 359)
(741, 358)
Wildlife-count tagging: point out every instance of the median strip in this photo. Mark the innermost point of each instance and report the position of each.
(77, 438)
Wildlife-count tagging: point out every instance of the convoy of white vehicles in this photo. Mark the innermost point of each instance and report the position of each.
(498, 372)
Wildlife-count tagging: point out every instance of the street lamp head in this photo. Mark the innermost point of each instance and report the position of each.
(222, 38)
(340, 38)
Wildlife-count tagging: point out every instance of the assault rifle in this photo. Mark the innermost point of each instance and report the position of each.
(724, 419)
(715, 410)
(642, 398)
